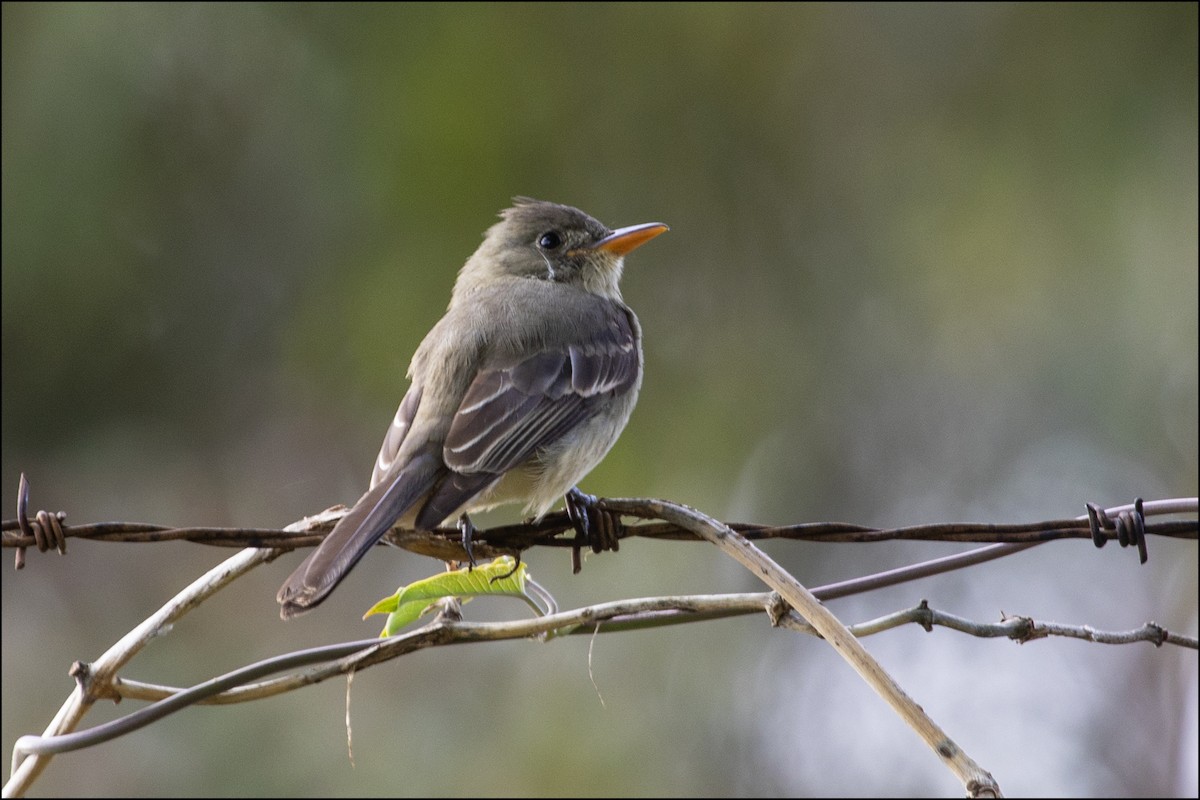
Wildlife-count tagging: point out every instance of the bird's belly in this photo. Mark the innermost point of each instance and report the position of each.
(515, 486)
(544, 478)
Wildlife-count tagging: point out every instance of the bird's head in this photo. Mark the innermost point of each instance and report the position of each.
(546, 241)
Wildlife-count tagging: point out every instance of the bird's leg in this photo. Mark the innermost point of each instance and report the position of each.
(577, 513)
(593, 525)
(468, 531)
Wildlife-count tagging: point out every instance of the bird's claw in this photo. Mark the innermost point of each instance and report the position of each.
(594, 526)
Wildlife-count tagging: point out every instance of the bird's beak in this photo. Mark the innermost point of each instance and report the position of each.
(625, 240)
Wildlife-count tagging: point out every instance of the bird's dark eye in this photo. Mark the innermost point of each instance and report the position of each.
(549, 240)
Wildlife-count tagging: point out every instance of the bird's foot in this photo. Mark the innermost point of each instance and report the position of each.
(595, 527)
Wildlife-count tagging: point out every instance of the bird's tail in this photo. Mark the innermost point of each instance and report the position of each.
(356, 533)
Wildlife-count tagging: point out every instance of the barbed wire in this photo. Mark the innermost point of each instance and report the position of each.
(1126, 525)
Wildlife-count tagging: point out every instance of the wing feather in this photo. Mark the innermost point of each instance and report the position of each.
(396, 433)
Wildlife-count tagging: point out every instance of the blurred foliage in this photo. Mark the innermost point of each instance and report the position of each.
(927, 262)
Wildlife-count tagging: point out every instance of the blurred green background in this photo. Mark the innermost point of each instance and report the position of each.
(926, 263)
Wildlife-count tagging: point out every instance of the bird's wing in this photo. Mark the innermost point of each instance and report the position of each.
(396, 433)
(512, 410)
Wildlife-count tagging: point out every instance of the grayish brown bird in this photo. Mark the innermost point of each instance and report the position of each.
(516, 394)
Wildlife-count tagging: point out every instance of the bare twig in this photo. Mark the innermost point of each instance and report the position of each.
(977, 781)
(347, 657)
(657, 612)
(93, 680)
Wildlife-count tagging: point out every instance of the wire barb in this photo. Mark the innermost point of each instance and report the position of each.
(1130, 526)
(46, 529)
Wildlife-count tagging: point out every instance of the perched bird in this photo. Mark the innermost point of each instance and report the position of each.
(516, 394)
